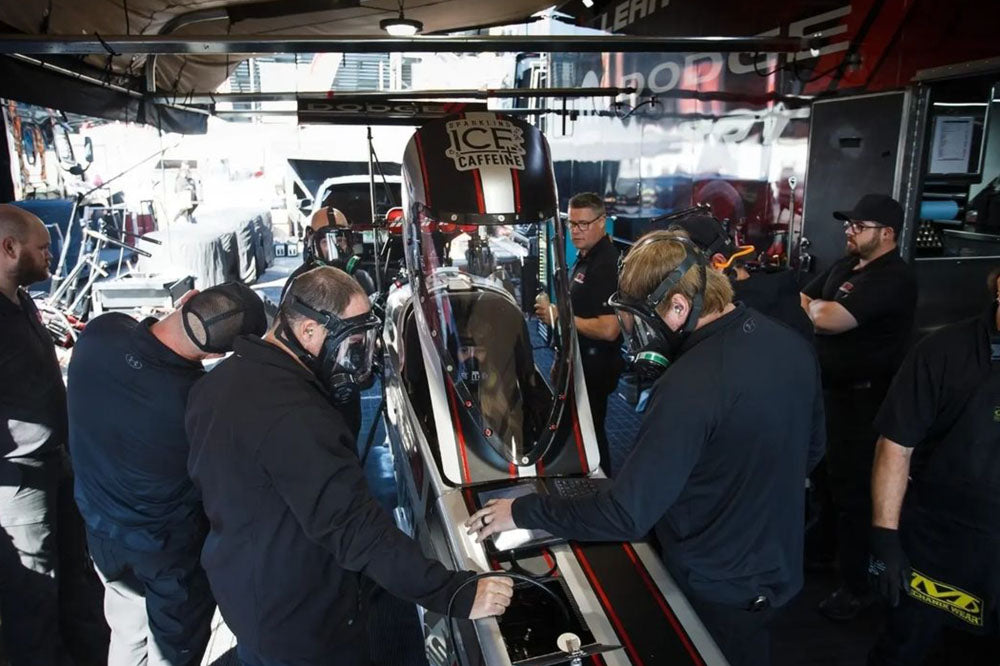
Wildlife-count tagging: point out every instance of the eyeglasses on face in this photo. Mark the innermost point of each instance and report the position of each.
(583, 225)
(859, 227)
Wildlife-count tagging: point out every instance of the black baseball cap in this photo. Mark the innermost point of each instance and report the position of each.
(214, 318)
(880, 208)
(706, 232)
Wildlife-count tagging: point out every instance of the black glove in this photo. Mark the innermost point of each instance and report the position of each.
(888, 566)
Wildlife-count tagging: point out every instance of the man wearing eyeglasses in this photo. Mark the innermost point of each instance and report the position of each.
(862, 309)
(593, 279)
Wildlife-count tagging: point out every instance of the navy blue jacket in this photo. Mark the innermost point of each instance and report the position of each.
(127, 395)
(733, 428)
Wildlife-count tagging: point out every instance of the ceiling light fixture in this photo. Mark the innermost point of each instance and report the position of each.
(401, 26)
(588, 3)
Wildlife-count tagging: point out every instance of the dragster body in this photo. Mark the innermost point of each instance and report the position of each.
(476, 410)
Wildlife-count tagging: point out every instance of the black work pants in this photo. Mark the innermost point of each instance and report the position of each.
(744, 636)
(355, 654)
(913, 629)
(158, 604)
(29, 596)
(81, 595)
(821, 518)
(601, 372)
(850, 453)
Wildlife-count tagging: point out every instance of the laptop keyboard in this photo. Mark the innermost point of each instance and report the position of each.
(573, 488)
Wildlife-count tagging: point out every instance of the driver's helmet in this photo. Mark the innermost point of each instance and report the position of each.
(330, 237)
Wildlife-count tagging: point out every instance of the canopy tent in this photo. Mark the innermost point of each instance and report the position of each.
(181, 74)
(200, 42)
(46, 87)
(54, 84)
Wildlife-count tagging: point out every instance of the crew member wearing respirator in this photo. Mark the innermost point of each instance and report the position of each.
(722, 453)
(293, 525)
(770, 291)
(330, 242)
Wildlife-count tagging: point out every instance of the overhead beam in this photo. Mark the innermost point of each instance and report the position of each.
(507, 112)
(402, 96)
(376, 95)
(246, 44)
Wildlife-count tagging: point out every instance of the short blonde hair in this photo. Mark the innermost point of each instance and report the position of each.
(648, 263)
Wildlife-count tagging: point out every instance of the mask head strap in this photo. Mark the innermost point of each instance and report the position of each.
(692, 257)
(339, 328)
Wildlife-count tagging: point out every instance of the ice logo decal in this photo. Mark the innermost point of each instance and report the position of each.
(485, 142)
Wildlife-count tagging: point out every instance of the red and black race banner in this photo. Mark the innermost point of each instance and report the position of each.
(868, 45)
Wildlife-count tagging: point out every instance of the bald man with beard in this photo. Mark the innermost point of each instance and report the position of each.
(32, 446)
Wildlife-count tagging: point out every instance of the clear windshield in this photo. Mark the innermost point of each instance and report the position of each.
(476, 286)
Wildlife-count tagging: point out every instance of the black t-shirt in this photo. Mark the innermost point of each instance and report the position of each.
(882, 297)
(933, 388)
(776, 295)
(733, 428)
(127, 397)
(32, 394)
(592, 281)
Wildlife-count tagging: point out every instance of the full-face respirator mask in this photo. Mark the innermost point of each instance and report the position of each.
(652, 345)
(344, 363)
